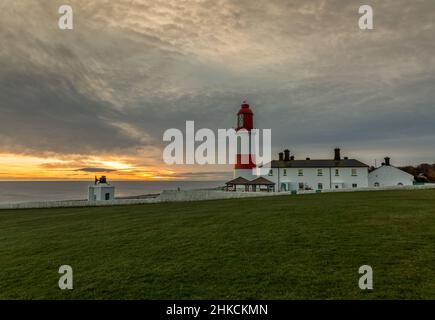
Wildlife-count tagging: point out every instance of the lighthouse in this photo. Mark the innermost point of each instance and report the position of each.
(101, 190)
(245, 161)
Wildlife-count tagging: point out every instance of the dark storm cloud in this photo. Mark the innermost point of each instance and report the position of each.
(45, 112)
(91, 169)
(130, 70)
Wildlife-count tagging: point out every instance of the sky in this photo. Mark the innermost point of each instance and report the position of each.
(97, 99)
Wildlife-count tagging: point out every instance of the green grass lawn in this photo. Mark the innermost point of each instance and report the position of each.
(286, 247)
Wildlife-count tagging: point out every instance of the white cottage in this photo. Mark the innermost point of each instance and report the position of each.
(389, 176)
(289, 174)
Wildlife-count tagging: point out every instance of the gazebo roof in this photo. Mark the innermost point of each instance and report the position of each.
(261, 181)
(239, 180)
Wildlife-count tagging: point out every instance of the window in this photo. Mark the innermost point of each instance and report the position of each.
(354, 172)
(240, 121)
(337, 172)
(354, 185)
(285, 172)
(270, 172)
(320, 186)
(301, 186)
(300, 172)
(319, 172)
(336, 186)
(107, 196)
(376, 184)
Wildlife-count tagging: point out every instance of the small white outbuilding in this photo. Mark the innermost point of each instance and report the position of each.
(101, 190)
(389, 176)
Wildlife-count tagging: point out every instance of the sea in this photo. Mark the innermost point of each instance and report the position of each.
(29, 191)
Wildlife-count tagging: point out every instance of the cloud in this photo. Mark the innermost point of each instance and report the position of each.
(132, 69)
(91, 169)
(204, 175)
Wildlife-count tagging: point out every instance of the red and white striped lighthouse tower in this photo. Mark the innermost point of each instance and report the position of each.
(245, 162)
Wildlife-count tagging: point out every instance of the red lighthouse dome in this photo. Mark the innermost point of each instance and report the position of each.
(245, 117)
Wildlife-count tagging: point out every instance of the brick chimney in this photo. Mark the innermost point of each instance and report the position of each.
(387, 161)
(286, 155)
(337, 154)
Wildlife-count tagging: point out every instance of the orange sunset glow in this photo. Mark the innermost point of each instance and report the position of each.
(21, 167)
(26, 167)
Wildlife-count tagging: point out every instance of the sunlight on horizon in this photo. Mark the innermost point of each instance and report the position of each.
(18, 167)
(26, 167)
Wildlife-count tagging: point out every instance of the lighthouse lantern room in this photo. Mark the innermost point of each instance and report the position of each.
(245, 117)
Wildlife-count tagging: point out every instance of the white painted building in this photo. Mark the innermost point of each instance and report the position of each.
(289, 174)
(101, 190)
(389, 176)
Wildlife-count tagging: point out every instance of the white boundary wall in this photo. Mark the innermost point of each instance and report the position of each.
(189, 195)
(74, 203)
(201, 195)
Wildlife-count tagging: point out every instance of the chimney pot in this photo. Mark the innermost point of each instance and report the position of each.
(387, 161)
(337, 154)
(286, 155)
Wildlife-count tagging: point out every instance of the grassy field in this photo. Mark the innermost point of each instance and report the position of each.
(287, 247)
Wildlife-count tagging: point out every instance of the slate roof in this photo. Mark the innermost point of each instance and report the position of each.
(343, 163)
(261, 181)
(239, 180)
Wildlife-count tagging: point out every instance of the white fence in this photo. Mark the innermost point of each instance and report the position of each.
(74, 203)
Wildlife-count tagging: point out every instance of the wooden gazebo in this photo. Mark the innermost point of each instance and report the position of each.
(261, 181)
(232, 185)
